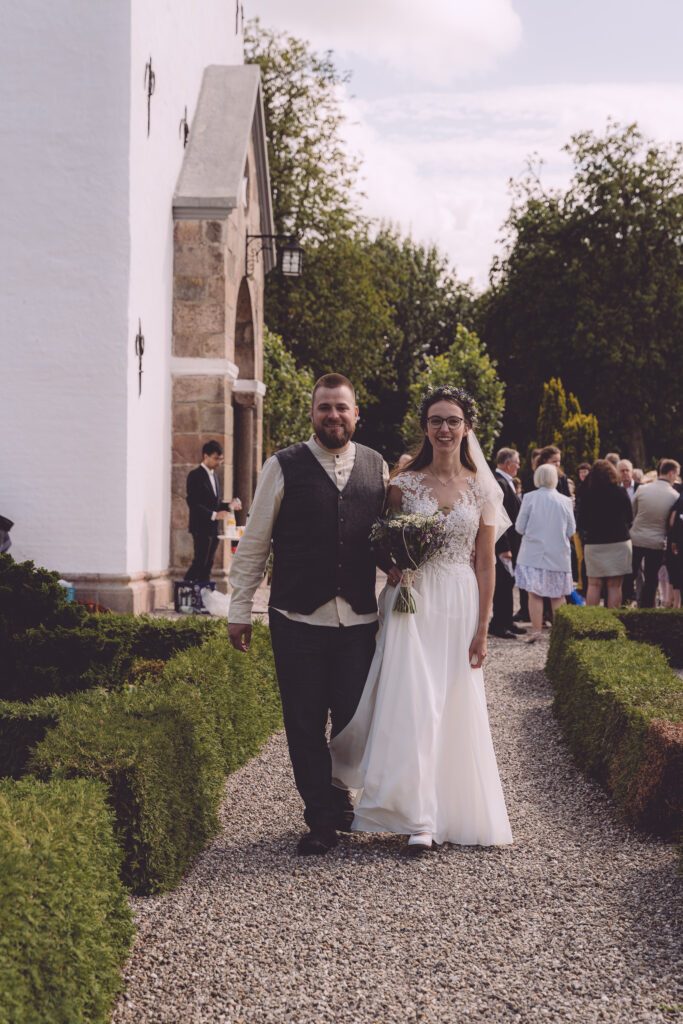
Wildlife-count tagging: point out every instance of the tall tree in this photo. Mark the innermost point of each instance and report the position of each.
(426, 303)
(287, 405)
(590, 287)
(552, 412)
(465, 364)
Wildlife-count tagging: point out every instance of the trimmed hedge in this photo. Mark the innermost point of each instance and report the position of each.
(65, 924)
(573, 622)
(155, 638)
(157, 751)
(163, 748)
(621, 708)
(662, 627)
(23, 725)
(240, 688)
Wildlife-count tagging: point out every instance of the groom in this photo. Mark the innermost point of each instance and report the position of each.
(316, 501)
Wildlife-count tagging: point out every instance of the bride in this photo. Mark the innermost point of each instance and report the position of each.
(418, 750)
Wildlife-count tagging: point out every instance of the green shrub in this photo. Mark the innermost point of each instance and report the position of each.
(32, 597)
(573, 622)
(241, 689)
(65, 924)
(609, 696)
(662, 627)
(157, 638)
(156, 749)
(64, 660)
(23, 725)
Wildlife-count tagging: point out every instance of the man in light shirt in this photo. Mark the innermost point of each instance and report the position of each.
(316, 501)
(625, 471)
(651, 508)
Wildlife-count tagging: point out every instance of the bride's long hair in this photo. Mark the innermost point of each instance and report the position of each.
(425, 454)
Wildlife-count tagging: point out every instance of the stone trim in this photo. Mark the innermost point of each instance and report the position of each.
(135, 592)
(253, 387)
(196, 366)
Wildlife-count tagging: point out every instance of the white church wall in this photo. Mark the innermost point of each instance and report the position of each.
(181, 39)
(64, 272)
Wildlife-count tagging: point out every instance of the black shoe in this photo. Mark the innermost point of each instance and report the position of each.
(517, 630)
(503, 634)
(521, 616)
(320, 840)
(343, 821)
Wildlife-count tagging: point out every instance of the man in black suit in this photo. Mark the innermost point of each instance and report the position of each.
(501, 625)
(206, 510)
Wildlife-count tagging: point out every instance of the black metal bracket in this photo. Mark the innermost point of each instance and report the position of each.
(150, 85)
(255, 244)
(184, 129)
(139, 352)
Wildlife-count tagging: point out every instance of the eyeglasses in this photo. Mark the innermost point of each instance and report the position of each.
(452, 422)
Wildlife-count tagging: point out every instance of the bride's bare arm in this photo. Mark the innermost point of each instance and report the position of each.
(485, 571)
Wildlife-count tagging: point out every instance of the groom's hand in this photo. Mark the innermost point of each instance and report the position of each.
(240, 635)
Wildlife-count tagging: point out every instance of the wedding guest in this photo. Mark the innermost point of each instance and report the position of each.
(402, 461)
(207, 509)
(637, 475)
(614, 458)
(604, 518)
(675, 551)
(628, 482)
(582, 471)
(652, 506)
(545, 522)
(527, 478)
(552, 456)
(501, 625)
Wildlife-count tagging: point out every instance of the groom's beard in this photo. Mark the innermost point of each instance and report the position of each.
(334, 437)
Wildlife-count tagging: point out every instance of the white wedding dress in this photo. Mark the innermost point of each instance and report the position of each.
(418, 751)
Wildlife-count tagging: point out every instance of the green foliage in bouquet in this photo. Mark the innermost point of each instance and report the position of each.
(409, 541)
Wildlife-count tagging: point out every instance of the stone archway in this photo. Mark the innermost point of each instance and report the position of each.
(247, 396)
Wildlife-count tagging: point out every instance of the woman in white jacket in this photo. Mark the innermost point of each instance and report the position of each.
(544, 565)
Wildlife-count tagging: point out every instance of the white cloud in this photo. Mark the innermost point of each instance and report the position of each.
(439, 164)
(436, 41)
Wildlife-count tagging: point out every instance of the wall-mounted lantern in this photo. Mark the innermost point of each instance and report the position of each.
(290, 253)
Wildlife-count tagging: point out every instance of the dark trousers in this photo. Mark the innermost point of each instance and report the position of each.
(652, 559)
(205, 545)
(524, 606)
(320, 670)
(502, 599)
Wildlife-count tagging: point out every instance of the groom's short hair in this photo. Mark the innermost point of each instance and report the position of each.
(333, 380)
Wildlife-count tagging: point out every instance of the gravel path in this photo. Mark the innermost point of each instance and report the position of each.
(579, 921)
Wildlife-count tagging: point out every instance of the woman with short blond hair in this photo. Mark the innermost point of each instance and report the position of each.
(544, 564)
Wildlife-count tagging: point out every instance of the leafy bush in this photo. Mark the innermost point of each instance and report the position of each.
(163, 747)
(573, 622)
(662, 627)
(621, 708)
(157, 638)
(63, 660)
(22, 725)
(240, 688)
(31, 597)
(65, 924)
(157, 751)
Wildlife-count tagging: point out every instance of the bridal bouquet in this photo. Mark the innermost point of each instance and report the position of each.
(410, 541)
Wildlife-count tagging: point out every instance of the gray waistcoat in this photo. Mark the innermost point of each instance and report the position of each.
(320, 540)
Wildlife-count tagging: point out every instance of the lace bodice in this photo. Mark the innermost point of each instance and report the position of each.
(462, 522)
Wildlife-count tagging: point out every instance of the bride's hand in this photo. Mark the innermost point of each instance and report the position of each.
(394, 576)
(478, 649)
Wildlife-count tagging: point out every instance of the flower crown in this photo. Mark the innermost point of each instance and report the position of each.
(433, 393)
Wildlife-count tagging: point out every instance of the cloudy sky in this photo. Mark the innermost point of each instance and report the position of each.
(449, 97)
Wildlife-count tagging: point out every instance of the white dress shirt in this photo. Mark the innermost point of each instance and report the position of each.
(249, 561)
